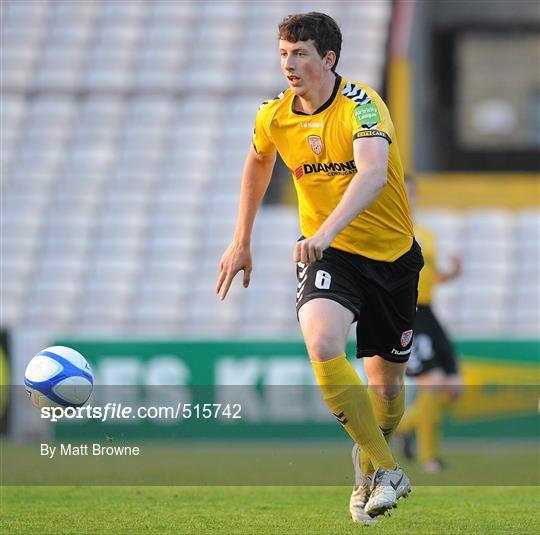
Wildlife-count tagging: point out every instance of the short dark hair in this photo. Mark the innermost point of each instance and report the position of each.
(321, 28)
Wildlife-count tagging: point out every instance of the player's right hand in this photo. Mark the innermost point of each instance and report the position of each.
(237, 257)
(456, 269)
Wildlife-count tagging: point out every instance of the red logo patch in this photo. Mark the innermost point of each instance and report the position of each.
(406, 338)
(298, 172)
(315, 142)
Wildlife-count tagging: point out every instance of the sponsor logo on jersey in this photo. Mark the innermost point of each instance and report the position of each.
(406, 338)
(367, 114)
(330, 168)
(372, 133)
(311, 125)
(315, 142)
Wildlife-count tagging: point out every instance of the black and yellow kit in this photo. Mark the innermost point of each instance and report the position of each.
(431, 348)
(318, 150)
(372, 265)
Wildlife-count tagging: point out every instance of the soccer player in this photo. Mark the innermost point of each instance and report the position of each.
(433, 360)
(357, 260)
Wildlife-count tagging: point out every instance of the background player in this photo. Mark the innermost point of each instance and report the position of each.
(353, 207)
(433, 360)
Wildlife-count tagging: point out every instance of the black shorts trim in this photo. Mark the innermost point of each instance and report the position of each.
(332, 297)
(397, 359)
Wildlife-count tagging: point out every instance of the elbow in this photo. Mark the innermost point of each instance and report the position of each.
(376, 179)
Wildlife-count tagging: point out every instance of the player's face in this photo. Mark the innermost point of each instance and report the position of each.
(302, 65)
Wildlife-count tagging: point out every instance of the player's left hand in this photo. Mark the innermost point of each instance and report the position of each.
(311, 249)
(454, 387)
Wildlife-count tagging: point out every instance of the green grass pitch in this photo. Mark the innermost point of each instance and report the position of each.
(262, 510)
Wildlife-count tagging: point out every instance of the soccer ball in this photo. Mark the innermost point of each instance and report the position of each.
(58, 376)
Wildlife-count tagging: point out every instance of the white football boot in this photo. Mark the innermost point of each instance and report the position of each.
(387, 486)
(360, 493)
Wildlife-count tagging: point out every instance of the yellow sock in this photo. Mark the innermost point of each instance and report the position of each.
(428, 424)
(408, 422)
(388, 414)
(348, 400)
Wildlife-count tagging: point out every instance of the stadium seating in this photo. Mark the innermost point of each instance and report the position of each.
(124, 129)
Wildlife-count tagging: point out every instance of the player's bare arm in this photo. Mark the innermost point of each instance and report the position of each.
(371, 159)
(237, 257)
(452, 273)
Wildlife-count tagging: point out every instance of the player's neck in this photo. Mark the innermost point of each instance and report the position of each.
(316, 97)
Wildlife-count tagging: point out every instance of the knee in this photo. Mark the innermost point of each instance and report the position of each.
(387, 390)
(385, 378)
(324, 347)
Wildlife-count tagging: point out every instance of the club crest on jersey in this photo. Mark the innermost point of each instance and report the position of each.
(315, 142)
(406, 337)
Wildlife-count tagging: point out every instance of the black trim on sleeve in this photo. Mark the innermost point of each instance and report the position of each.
(372, 133)
(259, 152)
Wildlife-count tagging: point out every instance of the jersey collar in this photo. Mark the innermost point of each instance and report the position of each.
(323, 106)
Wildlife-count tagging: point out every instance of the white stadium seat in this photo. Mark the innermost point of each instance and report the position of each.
(125, 128)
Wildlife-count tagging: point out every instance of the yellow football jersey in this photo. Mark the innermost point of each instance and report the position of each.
(428, 275)
(318, 150)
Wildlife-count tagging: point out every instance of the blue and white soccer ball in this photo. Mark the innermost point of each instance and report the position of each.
(58, 376)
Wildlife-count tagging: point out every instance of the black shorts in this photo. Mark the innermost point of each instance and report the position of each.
(381, 295)
(431, 348)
